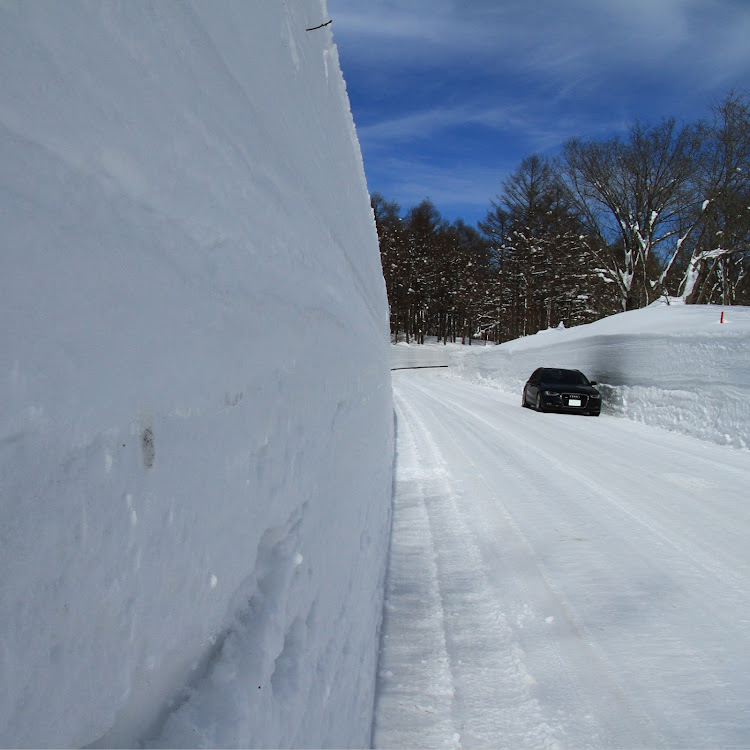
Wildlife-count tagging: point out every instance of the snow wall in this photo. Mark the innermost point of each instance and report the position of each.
(196, 428)
(677, 367)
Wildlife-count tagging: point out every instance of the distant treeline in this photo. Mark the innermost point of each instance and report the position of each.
(609, 225)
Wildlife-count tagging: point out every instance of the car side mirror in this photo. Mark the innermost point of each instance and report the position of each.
(593, 382)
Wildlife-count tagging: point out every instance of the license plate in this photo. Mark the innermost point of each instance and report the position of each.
(574, 402)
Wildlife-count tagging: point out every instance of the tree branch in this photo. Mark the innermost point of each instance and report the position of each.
(327, 23)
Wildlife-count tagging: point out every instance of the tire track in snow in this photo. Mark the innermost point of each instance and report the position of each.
(592, 708)
(693, 553)
(656, 611)
(491, 700)
(415, 691)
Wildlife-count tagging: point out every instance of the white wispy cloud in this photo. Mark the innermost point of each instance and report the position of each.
(424, 123)
(450, 95)
(541, 130)
(568, 42)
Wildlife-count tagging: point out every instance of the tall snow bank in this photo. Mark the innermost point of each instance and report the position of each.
(673, 366)
(196, 439)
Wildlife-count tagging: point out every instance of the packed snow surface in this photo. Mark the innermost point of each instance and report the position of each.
(567, 581)
(195, 404)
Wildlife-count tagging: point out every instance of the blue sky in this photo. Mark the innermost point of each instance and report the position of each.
(449, 96)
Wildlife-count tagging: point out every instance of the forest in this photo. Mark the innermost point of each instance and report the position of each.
(662, 211)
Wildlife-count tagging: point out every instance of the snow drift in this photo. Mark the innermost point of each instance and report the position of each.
(677, 367)
(196, 427)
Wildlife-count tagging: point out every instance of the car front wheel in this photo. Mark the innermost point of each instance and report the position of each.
(538, 404)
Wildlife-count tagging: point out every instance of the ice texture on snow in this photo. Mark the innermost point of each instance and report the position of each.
(674, 366)
(195, 409)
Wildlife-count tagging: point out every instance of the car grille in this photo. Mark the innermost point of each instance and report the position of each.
(582, 397)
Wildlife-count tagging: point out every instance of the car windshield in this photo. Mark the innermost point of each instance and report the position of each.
(564, 377)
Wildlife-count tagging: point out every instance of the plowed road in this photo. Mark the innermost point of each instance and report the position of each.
(561, 581)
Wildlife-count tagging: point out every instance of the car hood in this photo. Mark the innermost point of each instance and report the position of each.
(589, 390)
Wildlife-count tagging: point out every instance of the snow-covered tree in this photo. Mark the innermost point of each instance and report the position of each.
(433, 271)
(548, 269)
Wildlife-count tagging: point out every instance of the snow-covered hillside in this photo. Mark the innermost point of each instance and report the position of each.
(195, 408)
(672, 366)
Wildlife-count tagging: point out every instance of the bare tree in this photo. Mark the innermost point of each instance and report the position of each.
(634, 191)
(719, 266)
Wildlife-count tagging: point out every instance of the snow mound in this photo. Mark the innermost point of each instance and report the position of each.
(678, 367)
(195, 410)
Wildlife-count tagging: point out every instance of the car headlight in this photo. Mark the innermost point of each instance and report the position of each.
(551, 393)
(594, 396)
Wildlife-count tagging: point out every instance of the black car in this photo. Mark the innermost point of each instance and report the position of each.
(555, 389)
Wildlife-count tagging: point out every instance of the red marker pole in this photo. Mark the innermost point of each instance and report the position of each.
(721, 320)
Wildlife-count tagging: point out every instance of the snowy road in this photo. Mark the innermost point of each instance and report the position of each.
(561, 581)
